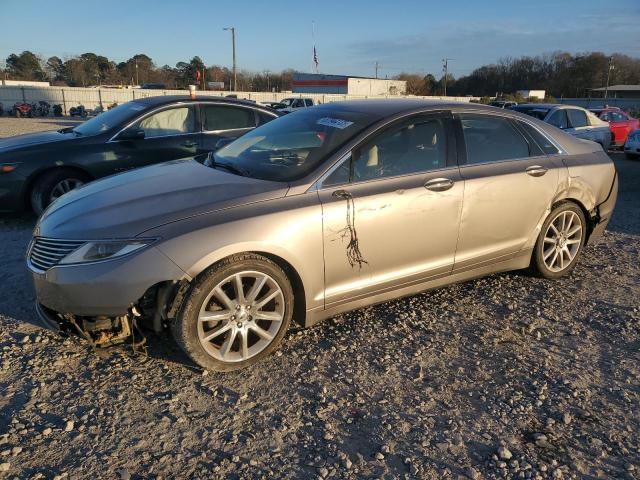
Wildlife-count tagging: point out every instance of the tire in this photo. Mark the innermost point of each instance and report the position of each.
(556, 255)
(234, 323)
(46, 188)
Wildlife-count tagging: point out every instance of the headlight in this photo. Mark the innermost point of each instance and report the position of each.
(104, 250)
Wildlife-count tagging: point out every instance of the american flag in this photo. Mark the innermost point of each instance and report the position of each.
(315, 57)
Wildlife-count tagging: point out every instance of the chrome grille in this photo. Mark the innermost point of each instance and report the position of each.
(47, 252)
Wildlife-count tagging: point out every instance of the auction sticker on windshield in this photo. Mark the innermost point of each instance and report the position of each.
(334, 122)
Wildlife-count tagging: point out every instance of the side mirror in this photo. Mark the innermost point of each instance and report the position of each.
(132, 134)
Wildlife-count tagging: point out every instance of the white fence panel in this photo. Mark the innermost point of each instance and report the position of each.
(93, 97)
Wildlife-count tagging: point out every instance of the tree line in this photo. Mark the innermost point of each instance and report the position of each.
(90, 69)
(561, 74)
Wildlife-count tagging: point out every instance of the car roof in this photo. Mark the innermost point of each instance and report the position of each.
(388, 107)
(159, 100)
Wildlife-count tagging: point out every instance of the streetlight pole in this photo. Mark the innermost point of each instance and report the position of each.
(445, 68)
(609, 68)
(233, 43)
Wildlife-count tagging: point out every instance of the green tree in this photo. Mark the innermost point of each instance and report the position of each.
(25, 66)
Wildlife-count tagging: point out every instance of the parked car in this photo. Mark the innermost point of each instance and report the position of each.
(503, 104)
(620, 123)
(42, 166)
(290, 104)
(324, 210)
(632, 145)
(576, 121)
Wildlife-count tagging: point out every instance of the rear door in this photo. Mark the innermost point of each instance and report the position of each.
(509, 185)
(222, 123)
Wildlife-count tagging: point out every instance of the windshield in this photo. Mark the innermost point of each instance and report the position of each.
(110, 119)
(290, 147)
(536, 112)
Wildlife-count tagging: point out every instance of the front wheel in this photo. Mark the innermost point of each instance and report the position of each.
(53, 185)
(235, 314)
(561, 240)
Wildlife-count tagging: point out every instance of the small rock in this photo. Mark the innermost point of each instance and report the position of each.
(323, 472)
(472, 473)
(47, 431)
(69, 426)
(379, 456)
(4, 467)
(347, 463)
(385, 449)
(566, 418)
(16, 450)
(123, 473)
(504, 453)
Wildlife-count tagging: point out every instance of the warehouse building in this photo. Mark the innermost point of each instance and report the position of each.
(342, 84)
(619, 91)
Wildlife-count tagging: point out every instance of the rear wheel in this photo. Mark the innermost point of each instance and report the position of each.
(561, 241)
(235, 314)
(53, 185)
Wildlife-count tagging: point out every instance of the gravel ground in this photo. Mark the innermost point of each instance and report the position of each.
(510, 376)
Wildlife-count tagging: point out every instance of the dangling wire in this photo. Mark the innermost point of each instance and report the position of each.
(354, 255)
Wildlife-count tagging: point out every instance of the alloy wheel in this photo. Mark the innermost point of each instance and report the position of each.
(241, 316)
(562, 241)
(63, 187)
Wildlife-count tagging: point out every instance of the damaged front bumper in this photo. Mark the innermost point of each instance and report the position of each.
(98, 331)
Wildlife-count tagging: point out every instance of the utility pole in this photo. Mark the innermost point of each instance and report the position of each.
(609, 68)
(137, 79)
(377, 66)
(233, 44)
(445, 69)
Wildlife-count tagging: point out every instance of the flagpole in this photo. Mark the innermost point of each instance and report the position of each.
(313, 47)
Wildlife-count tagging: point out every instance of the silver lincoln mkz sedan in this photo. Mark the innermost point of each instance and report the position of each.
(324, 210)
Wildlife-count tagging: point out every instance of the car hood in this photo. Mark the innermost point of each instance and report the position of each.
(128, 204)
(11, 143)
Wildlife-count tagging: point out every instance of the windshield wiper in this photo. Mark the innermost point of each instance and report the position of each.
(229, 167)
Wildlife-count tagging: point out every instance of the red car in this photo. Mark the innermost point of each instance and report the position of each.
(620, 123)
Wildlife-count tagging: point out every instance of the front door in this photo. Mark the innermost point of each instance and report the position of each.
(391, 210)
(509, 185)
(169, 134)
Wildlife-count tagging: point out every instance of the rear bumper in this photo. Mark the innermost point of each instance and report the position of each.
(605, 211)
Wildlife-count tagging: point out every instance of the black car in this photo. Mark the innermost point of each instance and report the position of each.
(37, 168)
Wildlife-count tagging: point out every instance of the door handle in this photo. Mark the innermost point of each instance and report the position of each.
(188, 144)
(536, 170)
(439, 184)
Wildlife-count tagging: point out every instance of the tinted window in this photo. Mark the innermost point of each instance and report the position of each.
(220, 117)
(172, 121)
(412, 147)
(308, 102)
(294, 145)
(577, 118)
(558, 119)
(543, 142)
(617, 117)
(491, 139)
(264, 117)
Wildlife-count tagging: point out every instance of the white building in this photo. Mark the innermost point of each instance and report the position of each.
(539, 94)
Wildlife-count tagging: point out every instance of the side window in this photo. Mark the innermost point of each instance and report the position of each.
(491, 139)
(577, 118)
(221, 117)
(265, 117)
(543, 142)
(558, 119)
(415, 146)
(617, 117)
(172, 121)
(308, 102)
